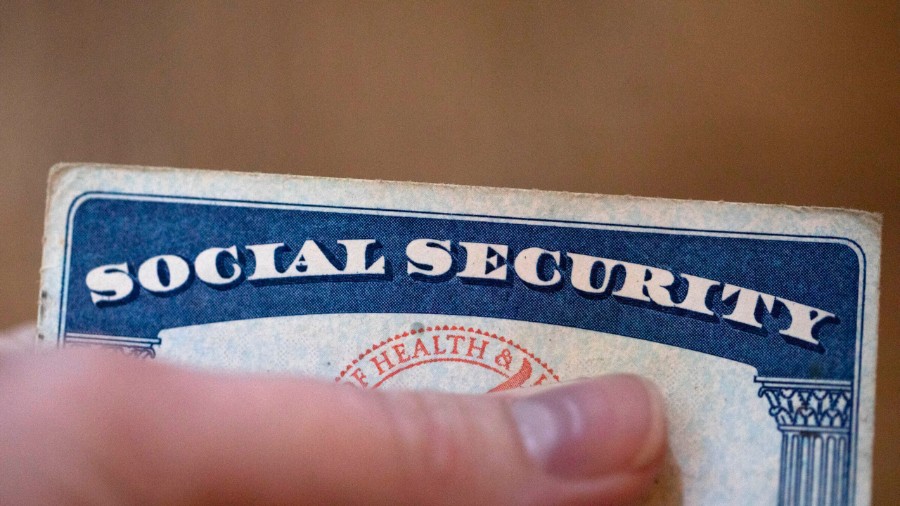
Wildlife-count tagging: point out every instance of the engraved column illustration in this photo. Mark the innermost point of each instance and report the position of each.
(814, 417)
(140, 347)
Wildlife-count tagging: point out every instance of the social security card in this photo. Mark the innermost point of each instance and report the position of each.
(758, 322)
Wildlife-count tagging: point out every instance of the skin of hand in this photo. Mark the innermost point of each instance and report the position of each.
(93, 427)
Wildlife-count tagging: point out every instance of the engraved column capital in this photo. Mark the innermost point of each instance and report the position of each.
(814, 418)
(138, 347)
(808, 404)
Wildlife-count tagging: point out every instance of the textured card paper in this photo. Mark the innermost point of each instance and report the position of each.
(758, 322)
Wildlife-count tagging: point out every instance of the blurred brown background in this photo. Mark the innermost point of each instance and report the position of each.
(755, 102)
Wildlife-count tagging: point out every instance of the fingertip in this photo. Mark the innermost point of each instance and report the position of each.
(595, 428)
(655, 442)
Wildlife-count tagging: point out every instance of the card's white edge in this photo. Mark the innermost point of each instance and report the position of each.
(58, 173)
(68, 181)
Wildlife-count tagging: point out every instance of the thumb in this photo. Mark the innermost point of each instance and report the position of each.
(156, 433)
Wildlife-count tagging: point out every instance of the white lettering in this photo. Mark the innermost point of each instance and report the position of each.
(428, 257)
(583, 273)
(207, 268)
(647, 284)
(747, 301)
(109, 283)
(357, 250)
(695, 299)
(164, 273)
(264, 254)
(485, 261)
(527, 264)
(434, 259)
(804, 320)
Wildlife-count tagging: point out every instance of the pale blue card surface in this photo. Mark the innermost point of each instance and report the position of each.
(758, 322)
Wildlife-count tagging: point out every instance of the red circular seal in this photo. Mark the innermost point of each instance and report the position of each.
(452, 353)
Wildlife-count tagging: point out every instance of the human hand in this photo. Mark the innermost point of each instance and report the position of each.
(92, 427)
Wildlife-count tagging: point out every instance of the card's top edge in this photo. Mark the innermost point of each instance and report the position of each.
(872, 218)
